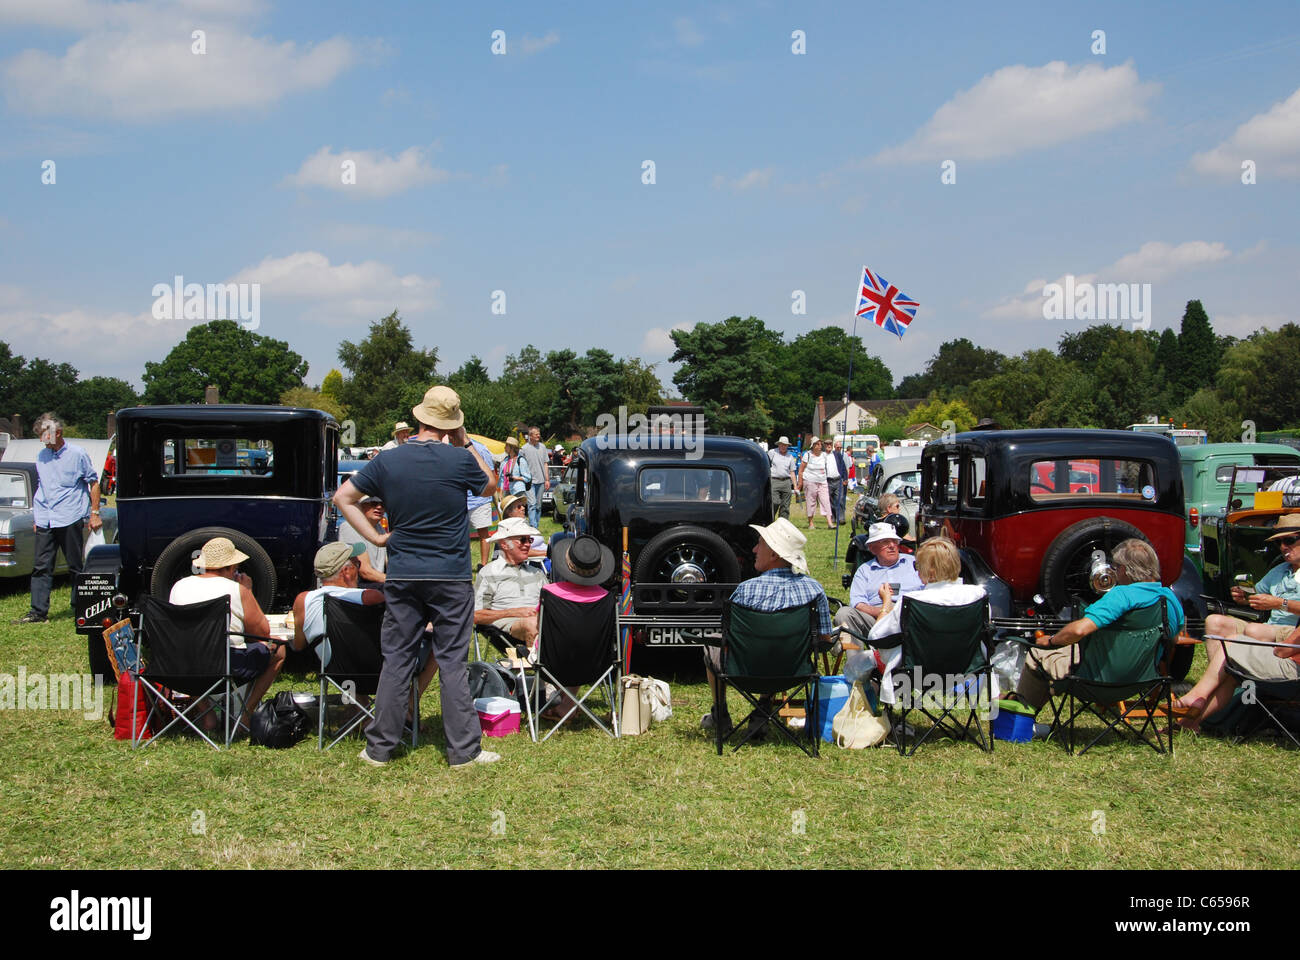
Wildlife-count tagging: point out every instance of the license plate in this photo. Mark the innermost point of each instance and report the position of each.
(672, 636)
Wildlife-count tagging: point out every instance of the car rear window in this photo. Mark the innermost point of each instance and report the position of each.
(678, 484)
(1053, 480)
(13, 490)
(217, 457)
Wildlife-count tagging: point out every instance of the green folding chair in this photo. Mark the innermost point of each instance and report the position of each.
(949, 649)
(766, 654)
(1120, 677)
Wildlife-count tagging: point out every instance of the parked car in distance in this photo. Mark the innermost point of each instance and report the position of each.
(686, 515)
(17, 513)
(1235, 550)
(563, 493)
(1037, 542)
(554, 473)
(901, 476)
(1207, 477)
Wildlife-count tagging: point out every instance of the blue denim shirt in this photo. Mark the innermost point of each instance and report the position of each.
(63, 493)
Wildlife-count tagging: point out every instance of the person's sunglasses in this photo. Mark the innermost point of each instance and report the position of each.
(523, 541)
(1289, 541)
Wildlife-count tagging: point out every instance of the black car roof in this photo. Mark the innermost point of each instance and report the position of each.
(1064, 444)
(711, 445)
(224, 413)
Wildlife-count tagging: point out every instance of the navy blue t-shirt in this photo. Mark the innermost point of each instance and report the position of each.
(423, 485)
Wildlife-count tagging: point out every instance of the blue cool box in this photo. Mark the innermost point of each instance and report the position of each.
(1014, 722)
(832, 694)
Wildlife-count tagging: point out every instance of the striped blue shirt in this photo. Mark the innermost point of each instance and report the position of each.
(781, 588)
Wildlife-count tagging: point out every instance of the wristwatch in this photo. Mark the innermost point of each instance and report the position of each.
(469, 444)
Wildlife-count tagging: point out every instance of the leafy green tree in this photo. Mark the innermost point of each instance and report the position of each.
(1257, 377)
(1167, 367)
(40, 385)
(332, 384)
(724, 367)
(950, 372)
(380, 368)
(1198, 359)
(816, 364)
(1124, 381)
(640, 387)
(937, 411)
(94, 399)
(246, 367)
(1011, 396)
(471, 371)
(312, 400)
(1072, 404)
(532, 387)
(1205, 410)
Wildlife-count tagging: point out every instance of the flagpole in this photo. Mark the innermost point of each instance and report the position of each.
(848, 393)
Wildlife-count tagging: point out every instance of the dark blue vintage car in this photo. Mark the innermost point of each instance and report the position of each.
(262, 476)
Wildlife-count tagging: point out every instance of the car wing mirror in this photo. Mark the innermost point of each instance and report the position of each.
(908, 492)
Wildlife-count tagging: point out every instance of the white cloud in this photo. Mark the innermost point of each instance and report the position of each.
(686, 33)
(344, 291)
(135, 62)
(537, 44)
(746, 181)
(657, 344)
(1270, 139)
(377, 174)
(1020, 108)
(1150, 263)
(1244, 324)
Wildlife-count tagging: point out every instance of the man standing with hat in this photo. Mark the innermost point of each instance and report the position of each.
(510, 586)
(887, 565)
(423, 484)
(784, 467)
(782, 582)
(401, 432)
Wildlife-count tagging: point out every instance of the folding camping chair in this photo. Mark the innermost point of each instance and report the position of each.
(577, 645)
(765, 654)
(951, 644)
(355, 662)
(188, 651)
(1277, 698)
(1115, 665)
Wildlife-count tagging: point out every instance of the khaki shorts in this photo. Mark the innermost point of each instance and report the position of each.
(1260, 663)
(480, 518)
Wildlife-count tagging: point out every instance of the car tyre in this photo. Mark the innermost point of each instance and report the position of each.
(175, 562)
(686, 545)
(1065, 563)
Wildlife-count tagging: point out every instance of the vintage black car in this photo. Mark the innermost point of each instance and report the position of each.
(1035, 514)
(262, 476)
(685, 517)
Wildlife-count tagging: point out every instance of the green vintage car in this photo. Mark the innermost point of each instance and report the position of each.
(1235, 549)
(1207, 475)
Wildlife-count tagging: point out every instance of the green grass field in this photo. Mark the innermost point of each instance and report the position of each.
(71, 796)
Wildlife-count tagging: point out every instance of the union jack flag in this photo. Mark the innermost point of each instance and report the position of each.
(884, 304)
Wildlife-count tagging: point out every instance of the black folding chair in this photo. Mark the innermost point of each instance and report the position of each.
(1121, 677)
(766, 654)
(948, 649)
(188, 651)
(355, 662)
(577, 645)
(1278, 699)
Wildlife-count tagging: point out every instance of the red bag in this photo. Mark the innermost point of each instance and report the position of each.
(129, 703)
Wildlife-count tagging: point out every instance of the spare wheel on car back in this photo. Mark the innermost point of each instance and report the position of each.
(1067, 562)
(687, 554)
(180, 558)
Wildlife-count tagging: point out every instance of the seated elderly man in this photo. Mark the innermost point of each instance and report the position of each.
(256, 663)
(510, 587)
(782, 582)
(1278, 592)
(886, 566)
(1137, 576)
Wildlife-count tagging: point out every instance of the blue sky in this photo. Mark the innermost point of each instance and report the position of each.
(522, 172)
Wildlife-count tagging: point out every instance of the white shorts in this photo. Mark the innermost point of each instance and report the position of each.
(480, 518)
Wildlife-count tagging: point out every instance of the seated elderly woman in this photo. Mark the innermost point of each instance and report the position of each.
(939, 566)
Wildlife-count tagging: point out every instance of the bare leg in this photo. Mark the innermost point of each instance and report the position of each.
(263, 683)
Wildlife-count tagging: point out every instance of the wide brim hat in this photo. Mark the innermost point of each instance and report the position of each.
(584, 561)
(219, 552)
(333, 557)
(1286, 526)
(786, 542)
(881, 531)
(510, 501)
(781, 440)
(511, 441)
(400, 426)
(439, 409)
(513, 527)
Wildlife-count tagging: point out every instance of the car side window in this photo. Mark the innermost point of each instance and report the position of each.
(975, 484)
(947, 467)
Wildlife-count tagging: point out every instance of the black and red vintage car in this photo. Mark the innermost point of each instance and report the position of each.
(1037, 538)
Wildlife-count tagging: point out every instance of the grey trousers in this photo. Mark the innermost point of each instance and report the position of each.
(782, 494)
(449, 606)
(854, 619)
(837, 492)
(50, 540)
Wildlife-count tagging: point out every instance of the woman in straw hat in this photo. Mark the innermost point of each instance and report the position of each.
(515, 475)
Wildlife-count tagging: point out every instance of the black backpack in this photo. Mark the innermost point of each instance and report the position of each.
(490, 680)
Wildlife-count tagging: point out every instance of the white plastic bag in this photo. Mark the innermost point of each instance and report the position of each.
(661, 699)
(94, 538)
(1007, 662)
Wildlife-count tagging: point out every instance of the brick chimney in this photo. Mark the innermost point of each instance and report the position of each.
(211, 395)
